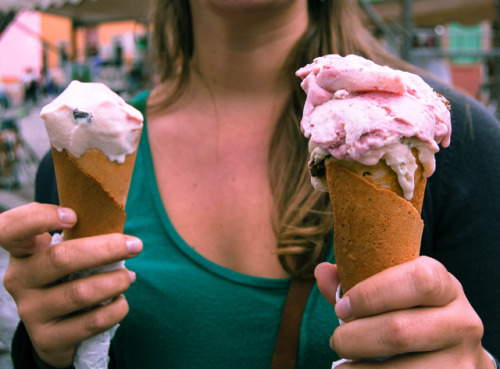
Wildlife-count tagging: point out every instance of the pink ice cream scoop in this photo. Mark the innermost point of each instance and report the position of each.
(358, 110)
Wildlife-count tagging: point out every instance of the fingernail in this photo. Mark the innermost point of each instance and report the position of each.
(343, 308)
(66, 215)
(134, 245)
(132, 276)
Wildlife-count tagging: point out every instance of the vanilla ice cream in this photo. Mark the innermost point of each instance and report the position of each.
(91, 116)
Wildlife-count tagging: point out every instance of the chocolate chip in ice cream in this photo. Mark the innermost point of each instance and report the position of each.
(317, 168)
(82, 116)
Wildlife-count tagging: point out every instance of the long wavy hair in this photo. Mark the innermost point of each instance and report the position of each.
(304, 222)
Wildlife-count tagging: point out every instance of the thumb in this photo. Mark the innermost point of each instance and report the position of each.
(327, 279)
(20, 227)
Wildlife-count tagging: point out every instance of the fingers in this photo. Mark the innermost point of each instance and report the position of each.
(68, 257)
(56, 341)
(57, 317)
(328, 280)
(410, 308)
(70, 297)
(397, 333)
(422, 282)
(82, 254)
(20, 227)
(95, 321)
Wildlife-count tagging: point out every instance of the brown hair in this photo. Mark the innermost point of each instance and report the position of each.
(304, 222)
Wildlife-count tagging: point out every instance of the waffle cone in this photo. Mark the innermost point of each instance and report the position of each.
(375, 227)
(96, 188)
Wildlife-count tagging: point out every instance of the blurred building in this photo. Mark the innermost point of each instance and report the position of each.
(59, 51)
(456, 41)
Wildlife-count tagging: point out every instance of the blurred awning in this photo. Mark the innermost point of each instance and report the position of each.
(8, 5)
(83, 12)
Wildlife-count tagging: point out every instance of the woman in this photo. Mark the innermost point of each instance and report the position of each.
(223, 205)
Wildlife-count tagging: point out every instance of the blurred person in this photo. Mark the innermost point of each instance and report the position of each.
(435, 65)
(30, 80)
(222, 216)
(117, 57)
(49, 85)
(4, 99)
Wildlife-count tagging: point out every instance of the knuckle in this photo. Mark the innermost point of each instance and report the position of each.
(104, 317)
(34, 207)
(476, 330)
(58, 257)
(429, 278)
(398, 334)
(79, 293)
(95, 322)
(472, 328)
(10, 281)
(25, 312)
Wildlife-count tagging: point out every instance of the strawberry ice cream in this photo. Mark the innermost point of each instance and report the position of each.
(359, 111)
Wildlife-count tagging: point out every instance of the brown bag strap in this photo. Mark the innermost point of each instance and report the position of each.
(287, 342)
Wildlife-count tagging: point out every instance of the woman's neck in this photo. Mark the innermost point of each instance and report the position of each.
(240, 48)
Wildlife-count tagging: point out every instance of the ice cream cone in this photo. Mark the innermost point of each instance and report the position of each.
(96, 188)
(94, 135)
(358, 113)
(375, 226)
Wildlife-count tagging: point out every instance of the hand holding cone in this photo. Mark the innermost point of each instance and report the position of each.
(94, 136)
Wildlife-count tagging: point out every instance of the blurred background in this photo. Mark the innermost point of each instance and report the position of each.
(44, 44)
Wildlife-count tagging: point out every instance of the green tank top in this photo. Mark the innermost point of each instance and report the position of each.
(188, 312)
